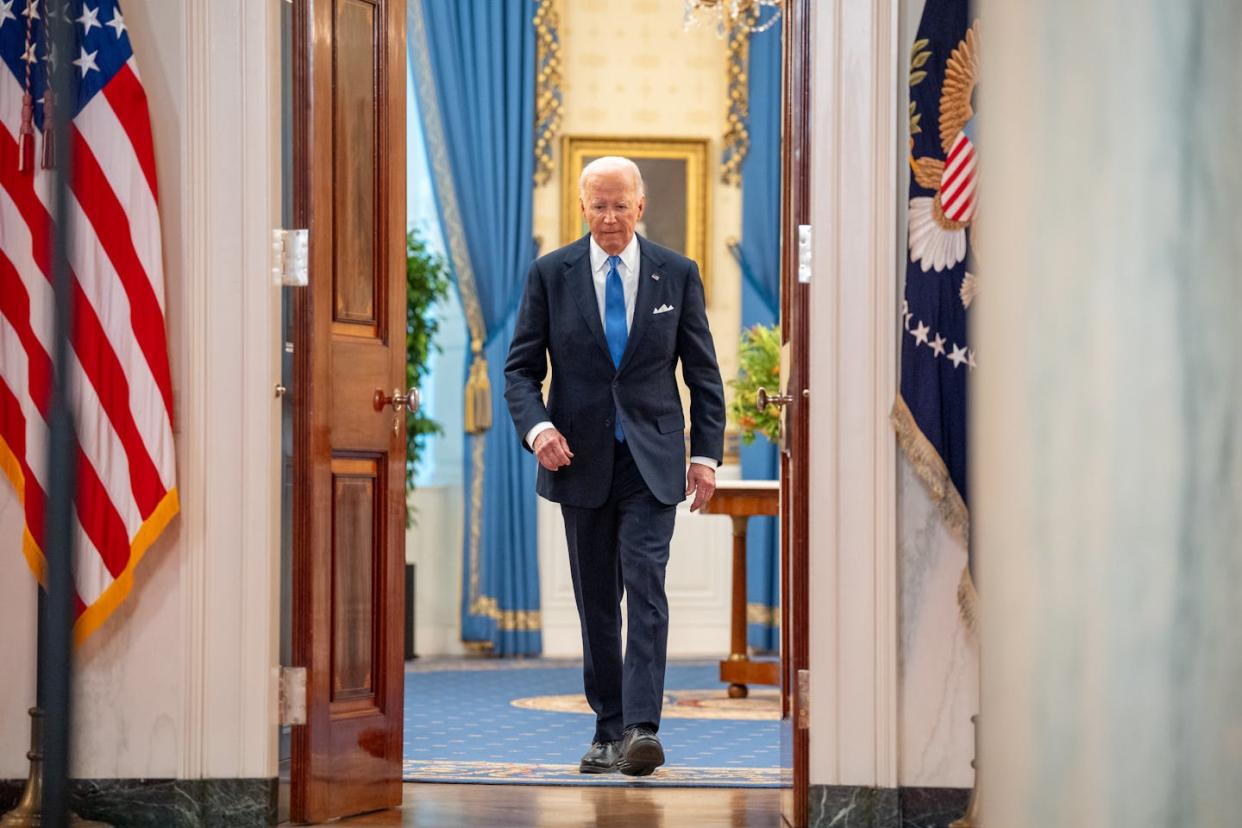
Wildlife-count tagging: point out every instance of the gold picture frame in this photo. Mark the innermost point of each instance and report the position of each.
(675, 173)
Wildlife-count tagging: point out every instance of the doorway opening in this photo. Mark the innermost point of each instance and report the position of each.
(492, 686)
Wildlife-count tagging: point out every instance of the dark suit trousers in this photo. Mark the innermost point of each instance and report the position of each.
(622, 545)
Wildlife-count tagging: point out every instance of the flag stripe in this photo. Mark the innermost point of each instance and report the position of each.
(128, 100)
(90, 342)
(14, 431)
(95, 509)
(112, 226)
(123, 169)
(89, 575)
(101, 287)
(955, 172)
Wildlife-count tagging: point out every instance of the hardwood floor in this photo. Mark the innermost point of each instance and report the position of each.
(528, 806)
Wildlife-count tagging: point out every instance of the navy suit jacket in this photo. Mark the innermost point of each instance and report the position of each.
(559, 318)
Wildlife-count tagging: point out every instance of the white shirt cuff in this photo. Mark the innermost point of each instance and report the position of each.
(710, 462)
(535, 432)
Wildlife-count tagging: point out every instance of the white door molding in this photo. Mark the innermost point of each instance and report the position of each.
(229, 427)
(854, 635)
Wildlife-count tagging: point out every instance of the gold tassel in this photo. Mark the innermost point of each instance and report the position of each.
(478, 393)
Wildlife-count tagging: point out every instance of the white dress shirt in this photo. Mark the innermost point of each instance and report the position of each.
(627, 269)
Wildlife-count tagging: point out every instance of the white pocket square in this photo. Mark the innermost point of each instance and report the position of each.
(663, 309)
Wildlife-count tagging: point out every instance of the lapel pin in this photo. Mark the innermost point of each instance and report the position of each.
(655, 276)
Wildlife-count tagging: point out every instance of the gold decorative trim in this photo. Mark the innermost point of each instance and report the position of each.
(757, 613)
(549, 102)
(931, 469)
(509, 620)
(736, 135)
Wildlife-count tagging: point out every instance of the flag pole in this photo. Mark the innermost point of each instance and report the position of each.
(56, 638)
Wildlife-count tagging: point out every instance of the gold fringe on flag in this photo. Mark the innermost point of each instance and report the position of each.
(930, 467)
(478, 393)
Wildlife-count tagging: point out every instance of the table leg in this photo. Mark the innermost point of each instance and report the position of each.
(737, 649)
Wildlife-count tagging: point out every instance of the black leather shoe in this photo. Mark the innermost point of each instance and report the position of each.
(601, 758)
(641, 752)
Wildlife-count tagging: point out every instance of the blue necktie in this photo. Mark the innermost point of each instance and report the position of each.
(614, 323)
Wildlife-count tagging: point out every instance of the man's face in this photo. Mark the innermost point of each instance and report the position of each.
(612, 208)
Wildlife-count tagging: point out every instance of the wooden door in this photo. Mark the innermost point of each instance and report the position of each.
(349, 456)
(795, 453)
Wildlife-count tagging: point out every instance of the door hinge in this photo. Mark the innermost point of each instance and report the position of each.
(803, 708)
(291, 257)
(804, 253)
(291, 701)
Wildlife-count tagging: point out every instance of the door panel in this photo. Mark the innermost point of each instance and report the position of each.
(354, 162)
(356, 523)
(349, 455)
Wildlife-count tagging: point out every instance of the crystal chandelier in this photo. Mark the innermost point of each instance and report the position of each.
(731, 14)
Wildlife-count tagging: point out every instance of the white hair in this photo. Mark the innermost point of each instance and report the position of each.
(611, 163)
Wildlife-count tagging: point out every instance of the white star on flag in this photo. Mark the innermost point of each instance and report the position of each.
(87, 61)
(970, 360)
(6, 12)
(29, 55)
(937, 345)
(958, 356)
(117, 22)
(32, 10)
(920, 334)
(89, 19)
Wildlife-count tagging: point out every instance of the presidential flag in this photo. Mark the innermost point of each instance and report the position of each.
(936, 356)
(122, 391)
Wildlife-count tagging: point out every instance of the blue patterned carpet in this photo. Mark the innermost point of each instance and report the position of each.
(461, 726)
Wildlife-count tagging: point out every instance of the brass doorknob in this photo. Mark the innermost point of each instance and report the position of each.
(396, 399)
(763, 399)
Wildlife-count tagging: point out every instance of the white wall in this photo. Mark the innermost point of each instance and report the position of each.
(1109, 408)
(179, 682)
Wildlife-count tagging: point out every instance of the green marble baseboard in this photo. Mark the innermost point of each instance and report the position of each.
(167, 803)
(851, 806)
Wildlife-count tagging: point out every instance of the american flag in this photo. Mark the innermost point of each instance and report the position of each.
(122, 390)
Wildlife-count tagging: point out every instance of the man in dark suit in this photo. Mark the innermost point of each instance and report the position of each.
(614, 313)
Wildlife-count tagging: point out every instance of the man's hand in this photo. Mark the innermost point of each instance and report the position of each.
(700, 482)
(552, 450)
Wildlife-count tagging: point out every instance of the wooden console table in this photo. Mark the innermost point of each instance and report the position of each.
(742, 500)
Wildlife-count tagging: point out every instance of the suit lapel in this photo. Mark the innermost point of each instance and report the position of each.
(642, 301)
(581, 285)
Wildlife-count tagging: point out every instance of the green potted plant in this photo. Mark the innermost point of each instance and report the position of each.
(426, 284)
(759, 366)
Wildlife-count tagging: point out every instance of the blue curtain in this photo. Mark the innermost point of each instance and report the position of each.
(474, 64)
(759, 256)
